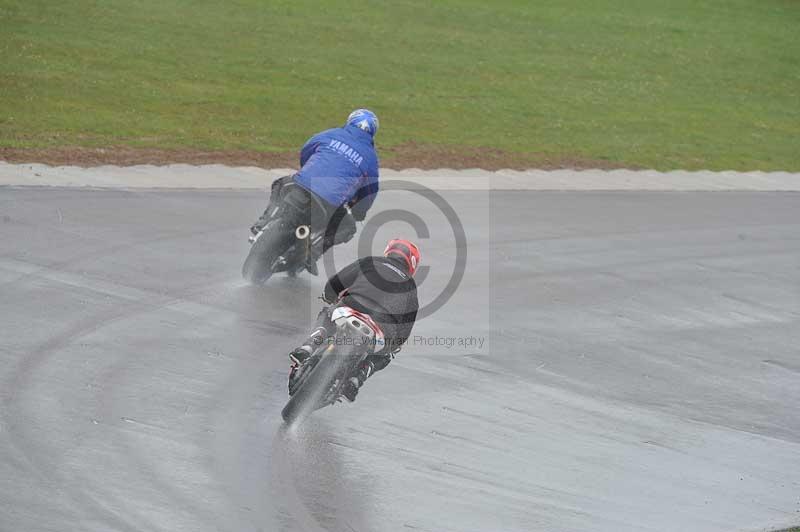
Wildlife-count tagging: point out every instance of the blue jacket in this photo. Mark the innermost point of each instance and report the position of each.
(340, 166)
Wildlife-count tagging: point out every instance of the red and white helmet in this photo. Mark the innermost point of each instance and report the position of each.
(406, 249)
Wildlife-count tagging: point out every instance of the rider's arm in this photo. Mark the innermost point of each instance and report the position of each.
(365, 198)
(309, 148)
(341, 282)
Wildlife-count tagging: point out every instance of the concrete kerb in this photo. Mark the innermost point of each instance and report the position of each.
(216, 176)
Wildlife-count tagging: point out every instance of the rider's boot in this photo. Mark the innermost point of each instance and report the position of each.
(272, 207)
(297, 358)
(259, 224)
(356, 380)
(264, 219)
(269, 213)
(300, 355)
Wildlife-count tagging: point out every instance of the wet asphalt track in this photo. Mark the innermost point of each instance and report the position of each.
(640, 370)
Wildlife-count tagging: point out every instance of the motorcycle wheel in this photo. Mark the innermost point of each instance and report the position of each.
(314, 389)
(257, 266)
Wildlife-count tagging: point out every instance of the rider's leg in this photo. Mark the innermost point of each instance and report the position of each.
(365, 370)
(341, 228)
(274, 200)
(374, 362)
(323, 329)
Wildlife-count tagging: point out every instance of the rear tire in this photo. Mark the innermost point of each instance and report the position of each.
(313, 390)
(257, 266)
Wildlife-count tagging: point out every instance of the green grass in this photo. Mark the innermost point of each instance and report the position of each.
(685, 83)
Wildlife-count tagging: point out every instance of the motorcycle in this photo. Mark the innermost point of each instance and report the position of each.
(283, 244)
(324, 374)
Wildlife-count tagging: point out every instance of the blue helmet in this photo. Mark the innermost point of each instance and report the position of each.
(364, 119)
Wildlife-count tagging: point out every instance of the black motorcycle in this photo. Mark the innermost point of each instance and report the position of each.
(323, 375)
(290, 241)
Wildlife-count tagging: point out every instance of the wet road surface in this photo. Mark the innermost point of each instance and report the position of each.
(610, 361)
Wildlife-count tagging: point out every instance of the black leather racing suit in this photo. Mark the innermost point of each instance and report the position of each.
(382, 288)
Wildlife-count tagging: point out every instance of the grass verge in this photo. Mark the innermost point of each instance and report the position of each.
(681, 84)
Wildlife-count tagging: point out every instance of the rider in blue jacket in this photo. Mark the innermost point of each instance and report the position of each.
(340, 167)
